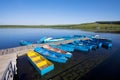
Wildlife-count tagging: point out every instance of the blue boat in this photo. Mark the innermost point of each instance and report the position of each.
(57, 51)
(41, 40)
(103, 40)
(51, 55)
(81, 44)
(25, 43)
(97, 37)
(77, 47)
(68, 37)
(105, 43)
(93, 46)
(93, 43)
(69, 45)
(65, 48)
(99, 44)
(50, 39)
(73, 37)
(79, 36)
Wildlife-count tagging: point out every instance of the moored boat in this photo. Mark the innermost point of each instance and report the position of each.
(51, 55)
(105, 43)
(58, 51)
(50, 39)
(79, 36)
(93, 43)
(77, 47)
(25, 43)
(41, 40)
(41, 64)
(68, 37)
(62, 47)
(97, 37)
(82, 44)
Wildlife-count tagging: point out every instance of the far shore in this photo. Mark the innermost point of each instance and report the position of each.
(94, 27)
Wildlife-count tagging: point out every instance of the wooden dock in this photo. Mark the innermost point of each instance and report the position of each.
(11, 54)
(14, 59)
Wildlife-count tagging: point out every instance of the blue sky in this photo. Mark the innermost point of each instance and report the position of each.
(48, 12)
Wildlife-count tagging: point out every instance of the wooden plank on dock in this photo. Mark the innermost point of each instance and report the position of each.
(7, 55)
(5, 60)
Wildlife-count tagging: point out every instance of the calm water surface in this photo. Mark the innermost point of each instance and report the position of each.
(10, 37)
(109, 69)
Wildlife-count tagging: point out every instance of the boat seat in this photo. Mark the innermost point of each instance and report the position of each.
(44, 66)
(33, 56)
(37, 61)
(59, 51)
(44, 62)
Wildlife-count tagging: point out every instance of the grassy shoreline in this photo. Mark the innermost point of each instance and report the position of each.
(94, 27)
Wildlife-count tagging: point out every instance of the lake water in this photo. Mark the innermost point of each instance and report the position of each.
(11, 37)
(109, 69)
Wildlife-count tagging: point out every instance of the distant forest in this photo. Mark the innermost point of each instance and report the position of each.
(108, 22)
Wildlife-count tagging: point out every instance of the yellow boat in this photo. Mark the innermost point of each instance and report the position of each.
(41, 64)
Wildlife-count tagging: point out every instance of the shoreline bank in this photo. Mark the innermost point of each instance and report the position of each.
(93, 27)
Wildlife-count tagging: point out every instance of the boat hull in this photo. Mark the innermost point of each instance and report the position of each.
(50, 55)
(65, 48)
(58, 51)
(36, 66)
(25, 43)
(77, 47)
